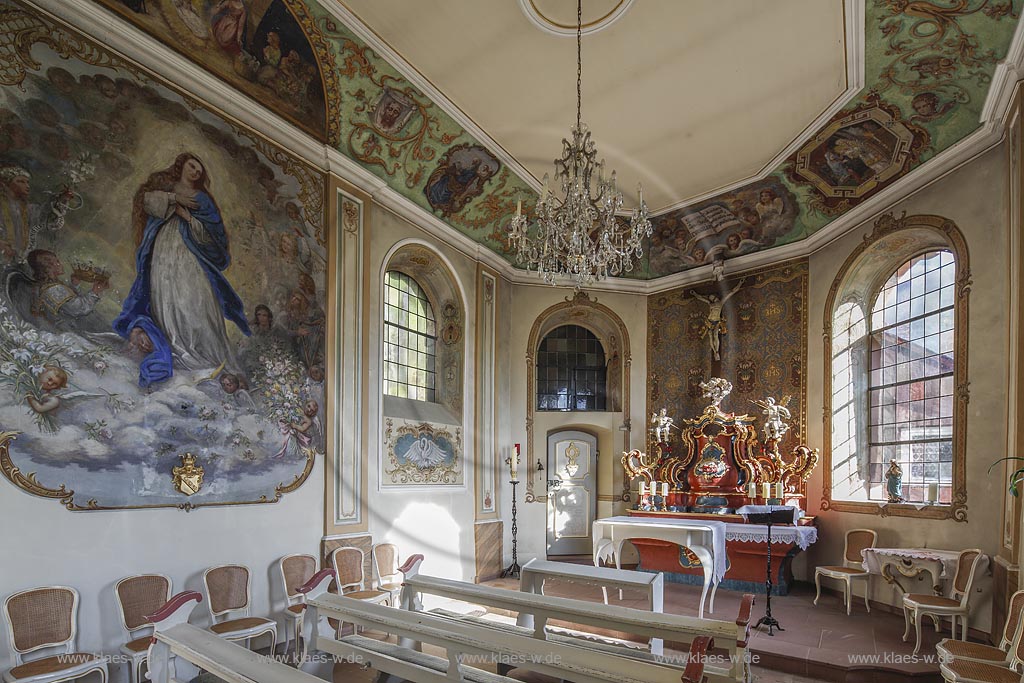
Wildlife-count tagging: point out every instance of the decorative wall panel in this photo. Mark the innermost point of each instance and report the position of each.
(421, 454)
(162, 309)
(763, 348)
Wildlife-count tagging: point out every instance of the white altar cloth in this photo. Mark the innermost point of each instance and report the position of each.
(704, 538)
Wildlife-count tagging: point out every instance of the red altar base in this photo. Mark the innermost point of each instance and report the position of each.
(747, 560)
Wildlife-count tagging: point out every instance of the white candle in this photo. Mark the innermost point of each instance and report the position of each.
(654, 488)
(778, 490)
(514, 463)
(643, 489)
(766, 490)
(664, 489)
(933, 492)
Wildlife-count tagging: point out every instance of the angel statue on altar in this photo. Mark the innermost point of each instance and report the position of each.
(775, 413)
(661, 423)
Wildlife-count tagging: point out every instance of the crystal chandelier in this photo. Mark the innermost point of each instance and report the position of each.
(578, 235)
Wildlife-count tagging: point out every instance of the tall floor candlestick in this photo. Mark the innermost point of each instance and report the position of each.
(513, 569)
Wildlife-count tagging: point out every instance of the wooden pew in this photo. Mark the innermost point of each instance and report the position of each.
(535, 572)
(179, 650)
(466, 644)
(732, 636)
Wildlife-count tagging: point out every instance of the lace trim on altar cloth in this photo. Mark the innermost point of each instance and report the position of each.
(905, 552)
(803, 536)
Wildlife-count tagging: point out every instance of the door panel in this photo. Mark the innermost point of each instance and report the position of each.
(572, 506)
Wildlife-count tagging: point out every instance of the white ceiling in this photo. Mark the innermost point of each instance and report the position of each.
(686, 96)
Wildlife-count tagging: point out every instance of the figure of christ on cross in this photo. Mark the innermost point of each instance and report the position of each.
(714, 325)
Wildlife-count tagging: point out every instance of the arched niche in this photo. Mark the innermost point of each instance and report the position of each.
(434, 275)
(609, 329)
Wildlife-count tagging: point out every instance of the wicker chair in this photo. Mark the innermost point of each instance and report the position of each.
(964, 670)
(227, 590)
(916, 605)
(296, 570)
(950, 649)
(47, 618)
(137, 598)
(384, 557)
(348, 572)
(852, 568)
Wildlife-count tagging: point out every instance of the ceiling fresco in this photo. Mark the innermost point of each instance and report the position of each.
(928, 67)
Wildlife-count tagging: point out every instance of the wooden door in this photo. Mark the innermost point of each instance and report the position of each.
(572, 502)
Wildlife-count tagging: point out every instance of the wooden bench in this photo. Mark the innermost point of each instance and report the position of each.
(179, 650)
(731, 636)
(467, 644)
(535, 572)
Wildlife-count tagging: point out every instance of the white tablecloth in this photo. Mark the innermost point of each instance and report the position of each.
(802, 536)
(748, 510)
(941, 562)
(634, 528)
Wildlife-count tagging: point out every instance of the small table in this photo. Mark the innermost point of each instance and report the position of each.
(940, 565)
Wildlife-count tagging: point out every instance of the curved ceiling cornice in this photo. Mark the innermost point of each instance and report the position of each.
(550, 17)
(936, 81)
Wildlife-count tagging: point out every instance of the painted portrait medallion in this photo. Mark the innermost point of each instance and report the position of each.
(163, 290)
(461, 176)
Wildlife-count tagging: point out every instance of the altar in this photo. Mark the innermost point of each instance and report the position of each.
(719, 471)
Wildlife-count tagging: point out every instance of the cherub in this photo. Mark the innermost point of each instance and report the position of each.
(661, 423)
(310, 424)
(53, 381)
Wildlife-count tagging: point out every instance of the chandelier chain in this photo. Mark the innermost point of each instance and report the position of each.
(579, 62)
(578, 234)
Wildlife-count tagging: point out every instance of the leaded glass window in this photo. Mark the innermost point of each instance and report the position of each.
(910, 386)
(410, 339)
(571, 370)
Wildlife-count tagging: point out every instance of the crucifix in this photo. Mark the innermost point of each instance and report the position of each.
(714, 324)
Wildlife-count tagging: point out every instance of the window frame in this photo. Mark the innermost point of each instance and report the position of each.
(574, 372)
(919, 234)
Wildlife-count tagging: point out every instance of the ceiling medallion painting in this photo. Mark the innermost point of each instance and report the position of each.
(163, 285)
(859, 153)
(269, 50)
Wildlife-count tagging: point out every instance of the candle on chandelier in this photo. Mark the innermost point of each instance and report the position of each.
(519, 208)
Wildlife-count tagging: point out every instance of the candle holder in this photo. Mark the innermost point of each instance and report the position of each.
(514, 568)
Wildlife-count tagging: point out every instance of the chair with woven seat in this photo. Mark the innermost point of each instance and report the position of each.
(950, 648)
(384, 557)
(957, 606)
(227, 592)
(964, 670)
(137, 598)
(852, 568)
(42, 620)
(347, 563)
(296, 570)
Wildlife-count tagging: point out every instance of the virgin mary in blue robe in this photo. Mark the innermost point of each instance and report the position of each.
(180, 297)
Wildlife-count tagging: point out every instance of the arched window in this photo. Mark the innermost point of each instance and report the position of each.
(896, 384)
(911, 381)
(571, 370)
(410, 339)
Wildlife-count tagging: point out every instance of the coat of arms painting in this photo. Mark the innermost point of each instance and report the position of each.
(163, 289)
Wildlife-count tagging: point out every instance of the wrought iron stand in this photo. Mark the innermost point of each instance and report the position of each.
(768, 620)
(513, 569)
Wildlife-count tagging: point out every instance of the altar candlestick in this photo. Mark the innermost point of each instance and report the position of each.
(513, 463)
(778, 490)
(664, 489)
(766, 490)
(752, 489)
(643, 489)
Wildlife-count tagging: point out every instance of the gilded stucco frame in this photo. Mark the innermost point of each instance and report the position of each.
(583, 308)
(885, 226)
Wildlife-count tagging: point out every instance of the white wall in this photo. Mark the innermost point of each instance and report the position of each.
(975, 198)
(437, 522)
(44, 544)
(528, 302)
